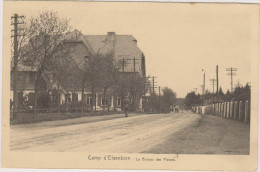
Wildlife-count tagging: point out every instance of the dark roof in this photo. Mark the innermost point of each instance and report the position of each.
(123, 46)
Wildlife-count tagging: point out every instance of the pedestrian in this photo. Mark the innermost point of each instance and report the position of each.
(126, 106)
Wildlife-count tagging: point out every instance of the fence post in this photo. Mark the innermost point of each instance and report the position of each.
(231, 109)
(240, 111)
(219, 106)
(228, 110)
(216, 109)
(225, 109)
(235, 110)
(246, 111)
(221, 109)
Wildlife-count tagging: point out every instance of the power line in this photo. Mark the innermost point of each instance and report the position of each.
(231, 71)
(204, 84)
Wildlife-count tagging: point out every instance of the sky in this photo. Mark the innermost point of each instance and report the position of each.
(177, 39)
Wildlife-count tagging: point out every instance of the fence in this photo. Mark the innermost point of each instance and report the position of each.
(237, 110)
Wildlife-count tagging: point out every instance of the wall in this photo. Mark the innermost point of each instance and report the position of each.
(231, 110)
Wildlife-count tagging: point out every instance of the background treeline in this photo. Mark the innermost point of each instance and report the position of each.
(240, 93)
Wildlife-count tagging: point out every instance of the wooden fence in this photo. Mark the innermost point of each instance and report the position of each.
(231, 110)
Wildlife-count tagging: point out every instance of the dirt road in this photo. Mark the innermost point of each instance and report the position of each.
(153, 133)
(119, 135)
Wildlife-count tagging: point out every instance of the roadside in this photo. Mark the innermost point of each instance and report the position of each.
(74, 121)
(29, 118)
(209, 135)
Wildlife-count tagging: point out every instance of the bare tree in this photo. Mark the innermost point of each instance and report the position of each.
(46, 34)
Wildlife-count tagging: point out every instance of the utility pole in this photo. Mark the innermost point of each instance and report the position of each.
(217, 79)
(203, 85)
(231, 73)
(213, 83)
(123, 62)
(134, 78)
(159, 99)
(15, 92)
(153, 95)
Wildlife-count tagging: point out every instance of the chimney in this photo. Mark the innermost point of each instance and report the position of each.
(111, 36)
(135, 41)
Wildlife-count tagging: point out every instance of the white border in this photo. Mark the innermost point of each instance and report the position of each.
(72, 170)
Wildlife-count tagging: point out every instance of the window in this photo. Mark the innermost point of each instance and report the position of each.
(89, 100)
(118, 102)
(74, 97)
(103, 101)
(67, 97)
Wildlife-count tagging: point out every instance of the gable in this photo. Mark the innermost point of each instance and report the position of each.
(123, 46)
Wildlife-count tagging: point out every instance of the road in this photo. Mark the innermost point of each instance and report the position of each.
(145, 133)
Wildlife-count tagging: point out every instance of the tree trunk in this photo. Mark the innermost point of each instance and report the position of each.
(36, 91)
(115, 100)
(95, 102)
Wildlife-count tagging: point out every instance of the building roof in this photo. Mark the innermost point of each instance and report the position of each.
(123, 46)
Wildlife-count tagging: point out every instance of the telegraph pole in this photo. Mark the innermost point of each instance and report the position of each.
(15, 92)
(213, 83)
(159, 99)
(231, 73)
(134, 64)
(124, 61)
(217, 79)
(203, 85)
(153, 95)
(153, 82)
